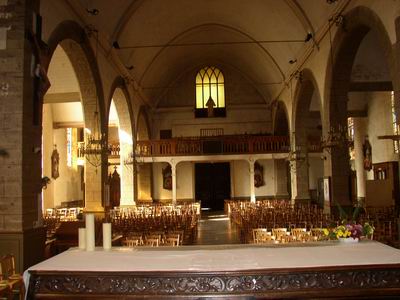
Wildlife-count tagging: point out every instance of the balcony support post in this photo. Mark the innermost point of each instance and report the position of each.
(173, 171)
(251, 173)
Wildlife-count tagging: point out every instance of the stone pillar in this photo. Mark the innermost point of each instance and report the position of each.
(251, 173)
(126, 174)
(21, 232)
(281, 180)
(360, 130)
(299, 168)
(93, 188)
(144, 181)
(173, 171)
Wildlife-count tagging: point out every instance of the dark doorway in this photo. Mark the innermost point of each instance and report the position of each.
(213, 184)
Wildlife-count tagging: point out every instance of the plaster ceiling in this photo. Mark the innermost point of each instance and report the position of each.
(257, 37)
(162, 39)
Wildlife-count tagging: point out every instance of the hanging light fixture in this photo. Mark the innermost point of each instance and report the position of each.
(95, 145)
(338, 135)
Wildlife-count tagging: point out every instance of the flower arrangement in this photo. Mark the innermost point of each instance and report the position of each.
(355, 231)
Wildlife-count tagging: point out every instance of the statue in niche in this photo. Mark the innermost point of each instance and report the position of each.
(167, 178)
(55, 161)
(367, 152)
(114, 181)
(258, 175)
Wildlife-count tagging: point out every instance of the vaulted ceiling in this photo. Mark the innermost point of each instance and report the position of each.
(162, 39)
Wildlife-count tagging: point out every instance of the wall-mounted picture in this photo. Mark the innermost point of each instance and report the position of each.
(167, 178)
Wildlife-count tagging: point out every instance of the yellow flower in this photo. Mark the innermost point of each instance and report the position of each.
(339, 234)
(326, 231)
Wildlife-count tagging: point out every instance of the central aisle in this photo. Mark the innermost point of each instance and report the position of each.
(214, 228)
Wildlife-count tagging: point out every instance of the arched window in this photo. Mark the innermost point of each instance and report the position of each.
(210, 87)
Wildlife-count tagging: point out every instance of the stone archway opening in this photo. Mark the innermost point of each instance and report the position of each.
(120, 138)
(360, 96)
(307, 175)
(144, 170)
(80, 58)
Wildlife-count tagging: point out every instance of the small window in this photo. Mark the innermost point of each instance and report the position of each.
(210, 91)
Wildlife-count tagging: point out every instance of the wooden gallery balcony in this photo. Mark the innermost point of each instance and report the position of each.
(219, 145)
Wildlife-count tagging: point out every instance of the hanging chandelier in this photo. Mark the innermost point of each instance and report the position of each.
(337, 137)
(95, 146)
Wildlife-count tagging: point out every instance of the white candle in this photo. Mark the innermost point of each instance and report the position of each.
(90, 239)
(107, 236)
(82, 238)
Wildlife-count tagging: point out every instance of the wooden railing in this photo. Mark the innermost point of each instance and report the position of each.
(228, 144)
(239, 144)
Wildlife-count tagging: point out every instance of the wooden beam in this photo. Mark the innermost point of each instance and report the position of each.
(62, 97)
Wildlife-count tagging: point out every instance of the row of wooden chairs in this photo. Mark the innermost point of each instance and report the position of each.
(283, 235)
(11, 283)
(154, 239)
(155, 210)
(282, 214)
(185, 223)
(274, 214)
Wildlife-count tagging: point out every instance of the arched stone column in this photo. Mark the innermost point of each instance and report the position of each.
(305, 126)
(76, 44)
(145, 170)
(358, 22)
(120, 96)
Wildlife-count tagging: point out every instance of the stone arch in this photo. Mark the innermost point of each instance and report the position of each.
(358, 22)
(119, 94)
(281, 120)
(304, 127)
(145, 170)
(143, 130)
(75, 42)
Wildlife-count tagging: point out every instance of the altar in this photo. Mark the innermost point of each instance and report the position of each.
(321, 269)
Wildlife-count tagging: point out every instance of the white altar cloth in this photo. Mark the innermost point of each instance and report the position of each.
(220, 258)
(244, 257)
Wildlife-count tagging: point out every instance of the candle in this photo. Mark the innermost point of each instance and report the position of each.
(82, 238)
(90, 239)
(106, 236)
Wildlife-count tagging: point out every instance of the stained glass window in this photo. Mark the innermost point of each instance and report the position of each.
(210, 84)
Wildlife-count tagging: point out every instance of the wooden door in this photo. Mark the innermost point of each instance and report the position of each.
(213, 184)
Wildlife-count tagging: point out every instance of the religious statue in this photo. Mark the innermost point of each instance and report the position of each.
(55, 161)
(367, 152)
(210, 107)
(114, 181)
(258, 175)
(167, 178)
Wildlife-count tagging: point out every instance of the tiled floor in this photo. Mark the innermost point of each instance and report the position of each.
(215, 229)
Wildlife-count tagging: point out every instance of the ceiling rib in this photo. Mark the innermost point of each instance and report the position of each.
(301, 16)
(124, 19)
(208, 25)
(209, 44)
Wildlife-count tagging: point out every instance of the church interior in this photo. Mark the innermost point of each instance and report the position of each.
(216, 126)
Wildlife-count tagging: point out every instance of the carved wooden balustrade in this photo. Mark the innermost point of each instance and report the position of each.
(233, 144)
(228, 144)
